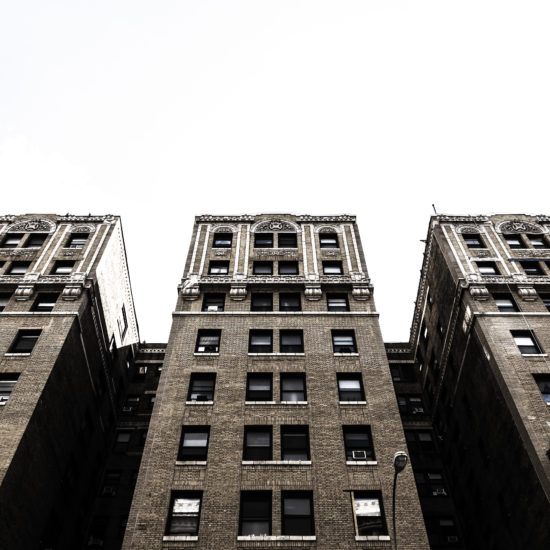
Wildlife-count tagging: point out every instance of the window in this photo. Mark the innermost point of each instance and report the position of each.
(132, 403)
(222, 240)
(369, 513)
(430, 483)
(526, 342)
(261, 341)
(350, 387)
(288, 268)
(7, 383)
(213, 302)
(4, 299)
(257, 443)
(332, 268)
(62, 267)
(261, 301)
(328, 240)
(185, 508)
(505, 303)
(474, 241)
(77, 240)
(122, 440)
(208, 341)
(24, 341)
(36, 240)
(194, 443)
(442, 532)
(201, 386)
(287, 240)
(358, 443)
(337, 302)
(531, 267)
(402, 373)
(537, 241)
(18, 268)
(293, 387)
(255, 516)
(543, 382)
(298, 513)
(263, 240)
(295, 443)
(420, 441)
(411, 405)
(487, 268)
(259, 386)
(12, 240)
(343, 341)
(291, 341)
(111, 482)
(546, 300)
(218, 268)
(45, 301)
(290, 301)
(262, 268)
(514, 241)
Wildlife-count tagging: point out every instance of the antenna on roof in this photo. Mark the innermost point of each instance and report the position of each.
(433, 206)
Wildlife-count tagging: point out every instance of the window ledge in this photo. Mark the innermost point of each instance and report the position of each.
(372, 537)
(191, 462)
(260, 402)
(276, 463)
(352, 402)
(354, 354)
(293, 403)
(17, 354)
(361, 463)
(199, 402)
(176, 538)
(524, 354)
(199, 354)
(275, 354)
(276, 537)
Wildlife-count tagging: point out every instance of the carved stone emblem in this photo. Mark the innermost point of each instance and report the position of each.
(32, 226)
(71, 292)
(274, 225)
(24, 292)
(469, 229)
(479, 293)
(518, 226)
(83, 229)
(313, 292)
(527, 293)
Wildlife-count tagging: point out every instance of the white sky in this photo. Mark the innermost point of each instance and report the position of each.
(158, 111)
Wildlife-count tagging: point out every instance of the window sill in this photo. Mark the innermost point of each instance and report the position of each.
(352, 402)
(372, 537)
(199, 402)
(276, 462)
(354, 354)
(191, 462)
(361, 463)
(177, 538)
(529, 355)
(293, 403)
(275, 354)
(275, 403)
(276, 537)
(17, 354)
(198, 354)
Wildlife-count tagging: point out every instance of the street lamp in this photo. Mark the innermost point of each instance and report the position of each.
(400, 460)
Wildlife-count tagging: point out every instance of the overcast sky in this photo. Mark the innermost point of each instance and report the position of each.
(159, 111)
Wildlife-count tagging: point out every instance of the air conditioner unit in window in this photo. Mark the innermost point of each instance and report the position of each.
(212, 308)
(439, 492)
(417, 410)
(201, 397)
(359, 455)
(452, 538)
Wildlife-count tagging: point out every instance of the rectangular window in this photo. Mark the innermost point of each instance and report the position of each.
(111, 483)
(7, 383)
(12, 240)
(293, 386)
(255, 516)
(288, 268)
(259, 386)
(24, 341)
(36, 240)
(62, 267)
(213, 302)
(218, 268)
(526, 342)
(4, 299)
(430, 483)
(222, 240)
(420, 441)
(487, 268)
(474, 241)
(332, 268)
(208, 341)
(258, 443)
(287, 240)
(411, 405)
(337, 302)
(328, 240)
(290, 301)
(358, 443)
(122, 440)
(514, 241)
(45, 301)
(262, 268)
(260, 341)
(402, 373)
(543, 382)
(343, 341)
(261, 301)
(369, 513)
(531, 267)
(546, 300)
(185, 507)
(295, 443)
(194, 443)
(505, 302)
(350, 386)
(298, 513)
(201, 386)
(77, 240)
(263, 240)
(18, 268)
(537, 241)
(291, 341)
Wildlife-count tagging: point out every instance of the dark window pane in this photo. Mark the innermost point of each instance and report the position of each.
(531, 267)
(218, 268)
(337, 302)
(505, 303)
(62, 267)
(77, 240)
(263, 240)
(24, 341)
(350, 387)
(293, 387)
(332, 268)
(287, 240)
(297, 513)
(184, 513)
(288, 268)
(262, 268)
(290, 302)
(526, 342)
(194, 443)
(12, 240)
(255, 518)
(36, 240)
(358, 443)
(369, 513)
(45, 301)
(259, 387)
(261, 302)
(208, 341)
(201, 387)
(474, 241)
(328, 240)
(222, 240)
(257, 443)
(343, 341)
(261, 341)
(292, 341)
(213, 302)
(294, 443)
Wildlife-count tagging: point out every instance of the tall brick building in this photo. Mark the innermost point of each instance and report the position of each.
(275, 424)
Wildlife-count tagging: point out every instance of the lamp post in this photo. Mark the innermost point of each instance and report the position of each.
(400, 460)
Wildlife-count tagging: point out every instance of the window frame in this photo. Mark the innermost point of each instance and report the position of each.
(268, 237)
(16, 237)
(15, 348)
(323, 236)
(220, 296)
(257, 453)
(262, 349)
(534, 348)
(542, 380)
(256, 497)
(338, 295)
(291, 348)
(337, 348)
(60, 267)
(508, 237)
(285, 377)
(190, 456)
(197, 377)
(502, 297)
(188, 495)
(257, 296)
(77, 241)
(289, 430)
(287, 296)
(372, 530)
(328, 265)
(481, 265)
(350, 376)
(15, 265)
(309, 518)
(350, 448)
(29, 239)
(219, 236)
(8, 381)
(259, 395)
(473, 240)
(40, 303)
(285, 235)
(208, 333)
(257, 266)
(215, 265)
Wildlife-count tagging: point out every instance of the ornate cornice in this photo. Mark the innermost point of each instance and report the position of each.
(461, 219)
(206, 218)
(344, 218)
(276, 224)
(519, 226)
(32, 225)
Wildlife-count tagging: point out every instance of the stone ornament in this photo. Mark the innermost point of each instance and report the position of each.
(71, 292)
(328, 229)
(327, 219)
(275, 225)
(237, 292)
(527, 293)
(479, 293)
(518, 226)
(313, 292)
(83, 229)
(33, 226)
(360, 292)
(469, 229)
(223, 229)
(24, 292)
